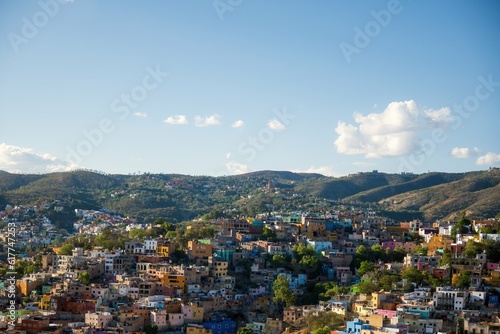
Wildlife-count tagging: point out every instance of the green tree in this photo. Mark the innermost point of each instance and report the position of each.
(335, 291)
(367, 287)
(323, 320)
(279, 261)
(463, 280)
(472, 248)
(137, 233)
(244, 330)
(387, 281)
(413, 275)
(84, 278)
(269, 234)
(324, 330)
(282, 292)
(492, 249)
(445, 260)
(421, 250)
(67, 248)
(361, 250)
(151, 329)
(310, 261)
(377, 252)
(300, 250)
(365, 267)
(461, 227)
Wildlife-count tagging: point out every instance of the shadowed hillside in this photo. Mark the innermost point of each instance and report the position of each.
(179, 197)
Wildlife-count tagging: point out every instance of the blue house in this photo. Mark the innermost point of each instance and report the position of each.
(221, 326)
(355, 326)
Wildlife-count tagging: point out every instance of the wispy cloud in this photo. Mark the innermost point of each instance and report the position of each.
(238, 124)
(489, 159)
(207, 120)
(234, 167)
(140, 114)
(464, 152)
(438, 117)
(275, 125)
(17, 159)
(324, 170)
(176, 120)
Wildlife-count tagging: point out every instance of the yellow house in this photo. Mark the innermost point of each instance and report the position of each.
(175, 280)
(45, 302)
(197, 313)
(197, 329)
(333, 236)
(199, 249)
(493, 279)
(26, 285)
(165, 250)
(439, 241)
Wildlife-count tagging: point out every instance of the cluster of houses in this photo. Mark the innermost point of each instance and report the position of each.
(140, 287)
(32, 227)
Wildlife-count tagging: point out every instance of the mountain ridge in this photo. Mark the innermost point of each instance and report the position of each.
(178, 197)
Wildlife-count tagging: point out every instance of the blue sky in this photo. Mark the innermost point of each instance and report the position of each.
(228, 86)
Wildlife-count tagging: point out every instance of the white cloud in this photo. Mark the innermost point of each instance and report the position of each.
(275, 125)
(176, 120)
(488, 159)
(15, 159)
(438, 117)
(324, 170)
(390, 133)
(234, 167)
(238, 124)
(140, 114)
(228, 155)
(464, 152)
(207, 120)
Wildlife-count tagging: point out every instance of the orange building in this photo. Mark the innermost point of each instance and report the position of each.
(35, 325)
(26, 285)
(439, 242)
(175, 280)
(165, 249)
(199, 249)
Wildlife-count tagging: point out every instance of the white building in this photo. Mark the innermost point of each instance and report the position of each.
(448, 298)
(159, 318)
(98, 319)
(150, 245)
(320, 245)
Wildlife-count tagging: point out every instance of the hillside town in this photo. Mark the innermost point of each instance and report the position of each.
(339, 271)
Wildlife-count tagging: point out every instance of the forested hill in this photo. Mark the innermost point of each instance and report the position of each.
(181, 197)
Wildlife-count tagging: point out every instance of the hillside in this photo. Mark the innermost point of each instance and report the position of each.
(181, 197)
(477, 193)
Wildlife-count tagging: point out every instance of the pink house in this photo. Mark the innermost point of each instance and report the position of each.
(492, 266)
(176, 319)
(407, 246)
(389, 244)
(389, 314)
